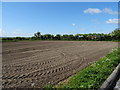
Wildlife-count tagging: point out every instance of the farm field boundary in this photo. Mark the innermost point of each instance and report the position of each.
(94, 75)
(35, 64)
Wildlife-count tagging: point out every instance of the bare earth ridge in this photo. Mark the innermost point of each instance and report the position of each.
(37, 63)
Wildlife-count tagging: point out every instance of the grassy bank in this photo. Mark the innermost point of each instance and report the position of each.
(94, 75)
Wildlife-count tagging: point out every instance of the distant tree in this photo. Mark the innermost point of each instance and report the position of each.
(76, 37)
(33, 38)
(37, 35)
(58, 37)
(42, 37)
(116, 34)
(65, 37)
(71, 37)
(48, 36)
(85, 36)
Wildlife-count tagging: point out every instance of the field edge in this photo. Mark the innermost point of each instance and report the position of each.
(93, 73)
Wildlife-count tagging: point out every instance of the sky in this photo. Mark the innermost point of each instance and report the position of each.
(60, 0)
(26, 18)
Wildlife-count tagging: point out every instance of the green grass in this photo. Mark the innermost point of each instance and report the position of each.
(48, 87)
(94, 75)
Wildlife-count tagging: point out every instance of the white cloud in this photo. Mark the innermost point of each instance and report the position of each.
(92, 10)
(17, 34)
(113, 21)
(96, 10)
(109, 11)
(73, 25)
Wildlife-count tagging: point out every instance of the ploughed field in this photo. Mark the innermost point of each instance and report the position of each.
(37, 63)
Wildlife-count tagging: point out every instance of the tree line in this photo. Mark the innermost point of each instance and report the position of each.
(115, 35)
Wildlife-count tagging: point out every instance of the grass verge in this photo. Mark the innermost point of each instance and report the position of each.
(94, 75)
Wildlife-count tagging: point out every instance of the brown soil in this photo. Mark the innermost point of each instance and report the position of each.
(37, 63)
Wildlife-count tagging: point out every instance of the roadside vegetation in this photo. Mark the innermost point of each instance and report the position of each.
(113, 36)
(94, 75)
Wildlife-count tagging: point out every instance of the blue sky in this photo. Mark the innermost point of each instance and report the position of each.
(26, 18)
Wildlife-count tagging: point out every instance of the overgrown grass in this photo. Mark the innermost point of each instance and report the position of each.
(48, 87)
(94, 75)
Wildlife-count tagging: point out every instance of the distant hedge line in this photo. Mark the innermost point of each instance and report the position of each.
(115, 35)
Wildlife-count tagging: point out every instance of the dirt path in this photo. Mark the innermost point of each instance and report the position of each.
(36, 63)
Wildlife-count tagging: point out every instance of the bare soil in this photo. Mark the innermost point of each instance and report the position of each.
(37, 63)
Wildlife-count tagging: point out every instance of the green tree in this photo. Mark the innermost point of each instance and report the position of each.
(48, 37)
(58, 37)
(65, 37)
(37, 35)
(116, 34)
